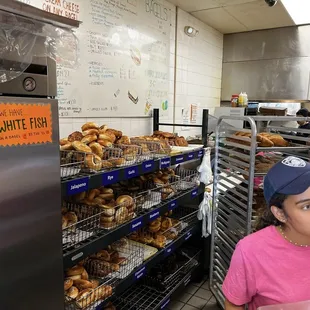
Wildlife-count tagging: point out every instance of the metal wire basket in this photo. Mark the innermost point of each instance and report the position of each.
(117, 261)
(71, 163)
(151, 149)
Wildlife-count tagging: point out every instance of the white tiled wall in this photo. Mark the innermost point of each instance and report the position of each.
(198, 80)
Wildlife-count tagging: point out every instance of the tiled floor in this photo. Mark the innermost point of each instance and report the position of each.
(196, 296)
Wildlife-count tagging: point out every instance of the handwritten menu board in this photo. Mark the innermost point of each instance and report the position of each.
(124, 48)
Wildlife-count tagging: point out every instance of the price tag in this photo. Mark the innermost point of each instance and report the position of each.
(77, 186)
(194, 193)
(190, 156)
(140, 273)
(148, 166)
(179, 159)
(165, 163)
(188, 235)
(136, 224)
(110, 177)
(164, 304)
(131, 172)
(154, 215)
(172, 205)
(200, 153)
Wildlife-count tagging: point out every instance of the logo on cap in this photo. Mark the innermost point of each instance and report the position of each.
(294, 162)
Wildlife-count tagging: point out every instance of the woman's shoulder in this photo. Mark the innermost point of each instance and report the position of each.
(259, 239)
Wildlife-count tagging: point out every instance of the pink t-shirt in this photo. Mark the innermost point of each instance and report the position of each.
(266, 270)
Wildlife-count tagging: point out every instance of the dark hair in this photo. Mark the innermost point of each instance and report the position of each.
(303, 112)
(267, 218)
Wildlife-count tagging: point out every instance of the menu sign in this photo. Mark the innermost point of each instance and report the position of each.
(25, 124)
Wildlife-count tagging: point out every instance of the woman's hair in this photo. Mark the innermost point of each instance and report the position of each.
(303, 112)
(267, 218)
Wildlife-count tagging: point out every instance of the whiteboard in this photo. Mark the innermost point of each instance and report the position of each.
(124, 54)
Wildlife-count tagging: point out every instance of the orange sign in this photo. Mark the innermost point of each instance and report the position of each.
(25, 124)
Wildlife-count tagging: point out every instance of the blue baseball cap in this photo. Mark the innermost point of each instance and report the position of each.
(291, 176)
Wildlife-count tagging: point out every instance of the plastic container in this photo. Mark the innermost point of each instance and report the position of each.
(245, 100)
(304, 305)
(240, 100)
(234, 101)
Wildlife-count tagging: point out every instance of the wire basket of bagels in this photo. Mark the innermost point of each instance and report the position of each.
(116, 261)
(84, 291)
(79, 223)
(71, 163)
(152, 147)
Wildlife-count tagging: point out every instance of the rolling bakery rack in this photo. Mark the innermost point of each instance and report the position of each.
(86, 239)
(240, 164)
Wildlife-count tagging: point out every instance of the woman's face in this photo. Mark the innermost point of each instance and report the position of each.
(297, 209)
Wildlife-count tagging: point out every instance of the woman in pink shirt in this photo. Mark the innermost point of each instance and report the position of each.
(272, 266)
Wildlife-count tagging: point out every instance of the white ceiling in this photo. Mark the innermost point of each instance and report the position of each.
(229, 16)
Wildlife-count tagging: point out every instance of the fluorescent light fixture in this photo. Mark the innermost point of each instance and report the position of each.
(298, 10)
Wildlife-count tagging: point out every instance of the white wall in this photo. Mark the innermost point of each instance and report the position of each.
(198, 79)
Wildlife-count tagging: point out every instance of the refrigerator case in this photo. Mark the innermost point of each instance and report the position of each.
(31, 251)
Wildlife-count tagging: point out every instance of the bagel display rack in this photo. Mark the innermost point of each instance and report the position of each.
(135, 198)
(242, 158)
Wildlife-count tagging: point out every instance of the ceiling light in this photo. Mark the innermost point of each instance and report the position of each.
(191, 31)
(298, 10)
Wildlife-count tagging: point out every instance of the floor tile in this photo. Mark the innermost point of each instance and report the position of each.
(184, 297)
(175, 305)
(212, 300)
(188, 307)
(204, 294)
(191, 289)
(206, 285)
(197, 302)
(198, 284)
(211, 307)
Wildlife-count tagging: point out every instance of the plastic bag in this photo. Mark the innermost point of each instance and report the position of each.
(206, 176)
(205, 215)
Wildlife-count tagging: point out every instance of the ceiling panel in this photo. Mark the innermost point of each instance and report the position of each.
(196, 5)
(257, 15)
(220, 20)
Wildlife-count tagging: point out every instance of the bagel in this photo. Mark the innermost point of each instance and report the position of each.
(124, 140)
(75, 136)
(93, 162)
(89, 125)
(76, 270)
(95, 283)
(96, 149)
(105, 143)
(88, 139)
(84, 275)
(68, 283)
(90, 132)
(82, 284)
(93, 193)
(121, 215)
(73, 292)
(103, 128)
(103, 255)
(66, 147)
(117, 161)
(81, 147)
(107, 136)
(108, 196)
(71, 217)
(85, 298)
(105, 190)
(166, 223)
(64, 222)
(125, 200)
(106, 164)
(118, 134)
(63, 141)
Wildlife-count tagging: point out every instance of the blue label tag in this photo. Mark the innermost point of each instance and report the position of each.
(190, 156)
(169, 250)
(131, 172)
(148, 166)
(136, 224)
(165, 303)
(188, 235)
(77, 186)
(179, 159)
(194, 192)
(154, 215)
(172, 205)
(140, 273)
(165, 162)
(110, 177)
(200, 153)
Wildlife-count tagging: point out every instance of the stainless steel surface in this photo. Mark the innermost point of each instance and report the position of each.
(30, 223)
(46, 83)
(31, 12)
(268, 64)
(233, 217)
